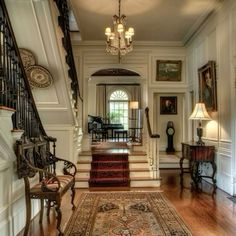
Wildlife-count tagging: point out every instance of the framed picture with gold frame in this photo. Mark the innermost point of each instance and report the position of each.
(207, 86)
(168, 70)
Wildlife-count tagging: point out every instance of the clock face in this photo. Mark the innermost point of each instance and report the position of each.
(170, 131)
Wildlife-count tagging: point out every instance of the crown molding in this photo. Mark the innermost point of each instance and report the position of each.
(76, 42)
(202, 21)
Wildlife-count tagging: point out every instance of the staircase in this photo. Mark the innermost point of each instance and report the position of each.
(109, 169)
(139, 172)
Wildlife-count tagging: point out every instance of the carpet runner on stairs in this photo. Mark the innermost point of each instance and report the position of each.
(109, 169)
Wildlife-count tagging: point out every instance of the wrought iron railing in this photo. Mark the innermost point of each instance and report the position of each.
(15, 92)
(63, 21)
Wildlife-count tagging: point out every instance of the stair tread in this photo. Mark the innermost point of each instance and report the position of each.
(138, 161)
(137, 153)
(143, 178)
(109, 179)
(130, 169)
(107, 170)
(81, 179)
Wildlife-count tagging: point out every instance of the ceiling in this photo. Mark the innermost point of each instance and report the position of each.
(153, 20)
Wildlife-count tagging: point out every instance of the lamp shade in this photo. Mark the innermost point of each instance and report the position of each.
(200, 112)
(133, 105)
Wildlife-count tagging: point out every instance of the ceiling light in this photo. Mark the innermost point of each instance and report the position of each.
(119, 41)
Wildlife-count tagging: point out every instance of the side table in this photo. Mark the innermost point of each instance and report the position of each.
(197, 156)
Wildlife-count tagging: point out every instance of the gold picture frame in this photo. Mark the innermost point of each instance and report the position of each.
(207, 86)
(168, 70)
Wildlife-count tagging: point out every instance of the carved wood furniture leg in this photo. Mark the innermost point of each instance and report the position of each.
(41, 210)
(73, 196)
(213, 177)
(196, 175)
(191, 170)
(28, 207)
(58, 210)
(181, 171)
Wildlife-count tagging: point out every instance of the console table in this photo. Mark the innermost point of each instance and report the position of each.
(197, 156)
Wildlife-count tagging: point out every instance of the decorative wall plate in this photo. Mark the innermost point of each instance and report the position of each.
(39, 77)
(27, 57)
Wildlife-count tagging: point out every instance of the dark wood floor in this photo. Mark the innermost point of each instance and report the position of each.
(205, 215)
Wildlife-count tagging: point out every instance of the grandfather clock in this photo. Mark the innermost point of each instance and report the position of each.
(170, 131)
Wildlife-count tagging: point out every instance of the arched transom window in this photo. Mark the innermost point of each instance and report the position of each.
(118, 108)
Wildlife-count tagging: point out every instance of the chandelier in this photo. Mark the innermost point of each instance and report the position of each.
(119, 41)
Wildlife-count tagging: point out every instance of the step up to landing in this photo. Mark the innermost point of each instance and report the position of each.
(110, 167)
(139, 172)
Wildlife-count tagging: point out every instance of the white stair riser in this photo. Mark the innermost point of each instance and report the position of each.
(83, 175)
(138, 165)
(83, 166)
(172, 165)
(85, 158)
(87, 166)
(81, 184)
(137, 158)
(131, 158)
(146, 183)
(134, 183)
(139, 174)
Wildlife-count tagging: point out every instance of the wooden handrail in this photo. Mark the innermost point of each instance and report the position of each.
(15, 91)
(151, 135)
(63, 21)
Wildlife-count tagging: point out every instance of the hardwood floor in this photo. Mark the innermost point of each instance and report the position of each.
(204, 214)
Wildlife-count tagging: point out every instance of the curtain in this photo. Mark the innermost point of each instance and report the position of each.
(135, 92)
(101, 101)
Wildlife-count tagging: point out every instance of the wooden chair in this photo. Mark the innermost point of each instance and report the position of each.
(34, 157)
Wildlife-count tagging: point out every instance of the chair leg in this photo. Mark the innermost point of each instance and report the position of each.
(28, 206)
(58, 210)
(73, 196)
(48, 207)
(28, 214)
(41, 210)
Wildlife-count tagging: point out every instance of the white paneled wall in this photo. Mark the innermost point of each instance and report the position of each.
(214, 41)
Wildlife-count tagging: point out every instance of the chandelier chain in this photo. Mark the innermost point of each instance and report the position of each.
(119, 7)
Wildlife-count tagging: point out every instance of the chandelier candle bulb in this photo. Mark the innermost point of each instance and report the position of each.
(120, 28)
(108, 31)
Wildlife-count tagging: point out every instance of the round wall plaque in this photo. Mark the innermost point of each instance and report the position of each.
(39, 77)
(27, 57)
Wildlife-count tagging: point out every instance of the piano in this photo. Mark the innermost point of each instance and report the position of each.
(96, 122)
(112, 127)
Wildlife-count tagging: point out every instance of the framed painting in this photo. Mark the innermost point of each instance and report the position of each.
(168, 105)
(168, 70)
(207, 86)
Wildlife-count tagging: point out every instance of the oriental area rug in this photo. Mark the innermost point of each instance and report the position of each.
(125, 214)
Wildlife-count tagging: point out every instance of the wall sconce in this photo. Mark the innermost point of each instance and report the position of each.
(200, 113)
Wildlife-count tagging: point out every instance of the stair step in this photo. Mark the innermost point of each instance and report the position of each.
(112, 170)
(109, 182)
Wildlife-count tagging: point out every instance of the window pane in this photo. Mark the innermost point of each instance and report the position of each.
(118, 108)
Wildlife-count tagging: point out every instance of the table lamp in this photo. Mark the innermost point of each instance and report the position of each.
(200, 113)
(133, 105)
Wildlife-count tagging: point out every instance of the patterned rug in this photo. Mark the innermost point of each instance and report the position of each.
(125, 214)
